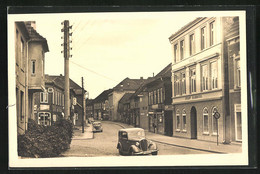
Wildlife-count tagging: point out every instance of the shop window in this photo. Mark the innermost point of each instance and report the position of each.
(178, 121)
(44, 97)
(205, 121)
(214, 122)
(214, 75)
(184, 124)
(204, 78)
(44, 118)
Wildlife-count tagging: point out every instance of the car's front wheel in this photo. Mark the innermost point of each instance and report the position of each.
(120, 151)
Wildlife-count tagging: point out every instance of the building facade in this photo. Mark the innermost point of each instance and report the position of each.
(159, 102)
(125, 86)
(200, 81)
(101, 107)
(30, 49)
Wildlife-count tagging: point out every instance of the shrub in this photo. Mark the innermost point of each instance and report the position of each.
(45, 141)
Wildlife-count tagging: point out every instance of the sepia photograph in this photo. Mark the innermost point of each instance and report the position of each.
(118, 89)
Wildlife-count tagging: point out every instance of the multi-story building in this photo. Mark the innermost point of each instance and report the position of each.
(49, 105)
(125, 86)
(124, 110)
(233, 43)
(89, 108)
(100, 104)
(159, 102)
(200, 81)
(30, 49)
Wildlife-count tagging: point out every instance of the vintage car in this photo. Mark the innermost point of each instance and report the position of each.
(97, 126)
(132, 141)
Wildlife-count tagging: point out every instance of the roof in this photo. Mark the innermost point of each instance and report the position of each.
(129, 84)
(126, 98)
(130, 129)
(35, 36)
(185, 28)
(103, 96)
(142, 87)
(60, 82)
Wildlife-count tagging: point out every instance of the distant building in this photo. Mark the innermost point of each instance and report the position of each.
(89, 108)
(125, 86)
(124, 110)
(200, 82)
(159, 102)
(101, 106)
(30, 49)
(49, 105)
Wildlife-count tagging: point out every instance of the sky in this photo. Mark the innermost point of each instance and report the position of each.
(108, 47)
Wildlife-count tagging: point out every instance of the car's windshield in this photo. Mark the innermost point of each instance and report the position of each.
(96, 124)
(136, 134)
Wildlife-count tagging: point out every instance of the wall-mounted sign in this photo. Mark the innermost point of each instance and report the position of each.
(44, 107)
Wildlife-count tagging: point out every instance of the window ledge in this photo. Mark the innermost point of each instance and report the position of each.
(184, 131)
(214, 134)
(205, 133)
(178, 130)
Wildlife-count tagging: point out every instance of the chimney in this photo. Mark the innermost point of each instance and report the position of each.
(141, 78)
(153, 74)
(61, 75)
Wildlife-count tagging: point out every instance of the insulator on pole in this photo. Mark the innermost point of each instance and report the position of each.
(61, 37)
(61, 44)
(62, 30)
(70, 55)
(71, 34)
(61, 51)
(71, 48)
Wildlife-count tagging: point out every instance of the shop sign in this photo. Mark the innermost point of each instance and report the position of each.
(44, 107)
(168, 107)
(193, 97)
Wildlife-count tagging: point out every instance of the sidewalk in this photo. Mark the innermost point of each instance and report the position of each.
(191, 143)
(78, 135)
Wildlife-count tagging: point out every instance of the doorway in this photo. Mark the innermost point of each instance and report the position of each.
(193, 122)
(168, 123)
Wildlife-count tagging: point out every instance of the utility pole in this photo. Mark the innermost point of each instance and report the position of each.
(66, 51)
(82, 104)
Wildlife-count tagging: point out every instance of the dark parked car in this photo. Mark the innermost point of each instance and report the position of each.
(132, 141)
(97, 126)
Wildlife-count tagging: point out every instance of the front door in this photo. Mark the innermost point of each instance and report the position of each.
(168, 123)
(193, 117)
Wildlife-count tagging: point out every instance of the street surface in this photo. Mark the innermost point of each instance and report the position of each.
(104, 144)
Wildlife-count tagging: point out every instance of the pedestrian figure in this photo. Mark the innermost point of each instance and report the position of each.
(154, 127)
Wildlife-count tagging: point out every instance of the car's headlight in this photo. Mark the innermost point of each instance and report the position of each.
(137, 143)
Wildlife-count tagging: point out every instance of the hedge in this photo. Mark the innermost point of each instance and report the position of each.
(45, 141)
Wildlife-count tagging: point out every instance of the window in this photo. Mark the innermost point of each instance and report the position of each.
(150, 98)
(238, 122)
(44, 118)
(204, 77)
(214, 122)
(22, 54)
(161, 95)
(33, 66)
(178, 123)
(237, 73)
(53, 97)
(184, 124)
(212, 33)
(205, 121)
(44, 97)
(193, 80)
(214, 75)
(42, 68)
(182, 49)
(56, 98)
(203, 40)
(192, 44)
(156, 98)
(175, 53)
(177, 85)
(22, 106)
(183, 83)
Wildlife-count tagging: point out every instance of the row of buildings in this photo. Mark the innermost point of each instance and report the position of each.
(39, 97)
(182, 100)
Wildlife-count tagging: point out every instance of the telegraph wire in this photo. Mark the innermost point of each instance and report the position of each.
(93, 71)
